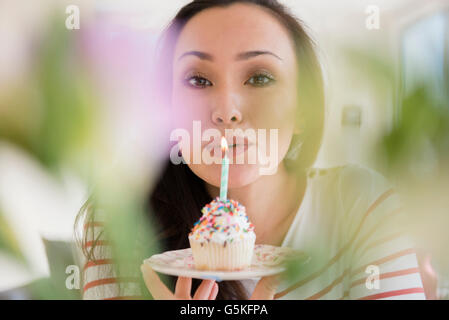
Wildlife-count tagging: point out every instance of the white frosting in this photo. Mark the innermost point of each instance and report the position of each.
(223, 221)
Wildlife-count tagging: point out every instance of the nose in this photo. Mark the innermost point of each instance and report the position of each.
(227, 113)
(223, 118)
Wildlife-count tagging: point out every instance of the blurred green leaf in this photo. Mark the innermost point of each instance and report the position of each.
(423, 120)
(67, 103)
(8, 240)
(52, 114)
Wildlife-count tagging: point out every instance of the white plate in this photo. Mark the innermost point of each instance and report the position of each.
(267, 260)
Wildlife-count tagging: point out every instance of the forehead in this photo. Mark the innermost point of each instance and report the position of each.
(225, 32)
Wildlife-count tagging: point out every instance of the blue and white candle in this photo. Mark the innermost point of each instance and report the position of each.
(224, 170)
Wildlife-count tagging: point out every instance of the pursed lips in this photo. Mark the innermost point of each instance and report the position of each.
(236, 145)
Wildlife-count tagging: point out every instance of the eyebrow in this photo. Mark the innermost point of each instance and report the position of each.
(241, 56)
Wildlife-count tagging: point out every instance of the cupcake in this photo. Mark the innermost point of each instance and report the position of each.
(223, 238)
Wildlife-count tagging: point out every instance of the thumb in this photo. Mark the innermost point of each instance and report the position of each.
(266, 288)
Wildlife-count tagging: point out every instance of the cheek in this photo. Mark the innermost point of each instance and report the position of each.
(275, 108)
(277, 111)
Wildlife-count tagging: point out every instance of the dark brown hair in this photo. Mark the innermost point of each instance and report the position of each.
(178, 196)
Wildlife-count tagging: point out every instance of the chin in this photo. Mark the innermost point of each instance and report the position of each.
(240, 175)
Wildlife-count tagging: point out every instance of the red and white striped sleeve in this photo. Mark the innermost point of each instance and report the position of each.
(100, 279)
(384, 263)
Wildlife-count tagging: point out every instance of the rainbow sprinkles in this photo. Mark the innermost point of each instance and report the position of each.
(222, 222)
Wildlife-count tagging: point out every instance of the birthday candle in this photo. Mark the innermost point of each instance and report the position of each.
(224, 170)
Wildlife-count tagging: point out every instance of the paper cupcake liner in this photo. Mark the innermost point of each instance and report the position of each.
(216, 256)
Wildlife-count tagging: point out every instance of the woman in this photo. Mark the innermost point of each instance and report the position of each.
(250, 65)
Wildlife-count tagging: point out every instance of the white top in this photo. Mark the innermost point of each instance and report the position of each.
(351, 224)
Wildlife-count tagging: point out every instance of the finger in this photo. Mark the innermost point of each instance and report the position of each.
(156, 287)
(265, 288)
(204, 290)
(183, 288)
(214, 292)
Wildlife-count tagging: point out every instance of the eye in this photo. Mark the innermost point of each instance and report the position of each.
(197, 81)
(261, 80)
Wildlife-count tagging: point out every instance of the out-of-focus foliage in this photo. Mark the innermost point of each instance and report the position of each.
(300, 264)
(67, 103)
(414, 152)
(418, 146)
(416, 156)
(52, 113)
(60, 114)
(8, 240)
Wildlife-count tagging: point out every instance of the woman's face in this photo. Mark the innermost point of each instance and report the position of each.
(235, 68)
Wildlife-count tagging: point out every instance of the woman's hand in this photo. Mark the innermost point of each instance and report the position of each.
(207, 290)
(266, 288)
